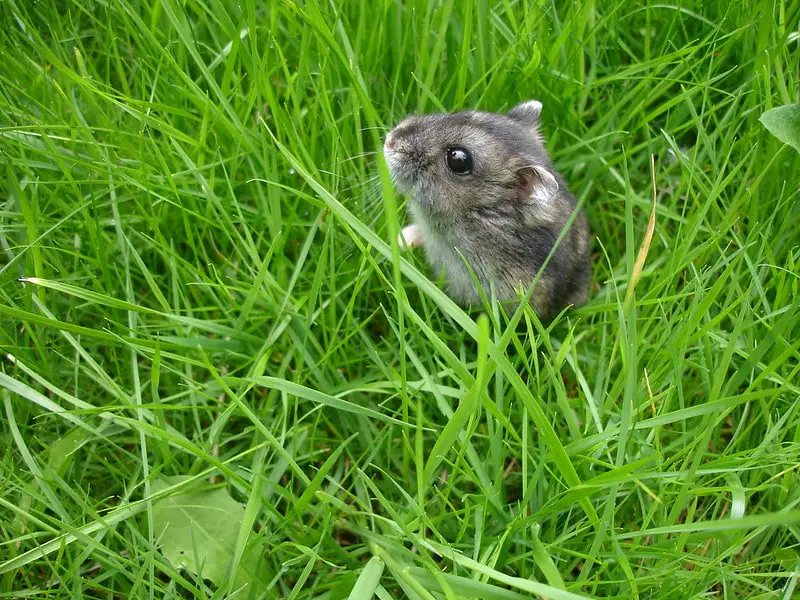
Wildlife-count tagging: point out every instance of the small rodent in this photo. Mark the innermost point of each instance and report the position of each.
(483, 186)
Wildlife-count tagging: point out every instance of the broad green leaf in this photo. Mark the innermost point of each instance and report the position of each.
(471, 588)
(467, 407)
(778, 519)
(525, 585)
(320, 397)
(197, 531)
(368, 580)
(544, 560)
(784, 123)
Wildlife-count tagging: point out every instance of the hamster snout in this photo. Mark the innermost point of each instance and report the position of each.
(402, 135)
(484, 190)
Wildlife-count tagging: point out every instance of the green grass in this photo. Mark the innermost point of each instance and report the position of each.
(198, 279)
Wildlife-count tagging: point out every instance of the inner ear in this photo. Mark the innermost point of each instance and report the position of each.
(536, 184)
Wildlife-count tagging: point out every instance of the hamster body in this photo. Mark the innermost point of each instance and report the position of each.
(483, 189)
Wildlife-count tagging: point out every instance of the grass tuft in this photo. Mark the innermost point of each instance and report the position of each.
(199, 278)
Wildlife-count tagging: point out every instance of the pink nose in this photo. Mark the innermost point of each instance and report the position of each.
(389, 143)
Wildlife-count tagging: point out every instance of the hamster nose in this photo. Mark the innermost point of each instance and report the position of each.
(389, 142)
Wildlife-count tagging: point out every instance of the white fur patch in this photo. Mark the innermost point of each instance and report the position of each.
(410, 237)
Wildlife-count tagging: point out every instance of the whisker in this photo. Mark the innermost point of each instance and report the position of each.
(362, 155)
(354, 186)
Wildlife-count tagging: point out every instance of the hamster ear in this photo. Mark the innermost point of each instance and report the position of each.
(527, 113)
(536, 184)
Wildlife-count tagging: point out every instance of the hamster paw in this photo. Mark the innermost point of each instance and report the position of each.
(410, 237)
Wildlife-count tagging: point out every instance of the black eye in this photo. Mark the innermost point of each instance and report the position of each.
(458, 160)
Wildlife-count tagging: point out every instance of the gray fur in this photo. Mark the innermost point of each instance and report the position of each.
(503, 217)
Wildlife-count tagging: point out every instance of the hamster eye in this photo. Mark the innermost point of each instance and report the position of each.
(458, 160)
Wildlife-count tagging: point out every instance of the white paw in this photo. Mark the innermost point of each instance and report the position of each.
(410, 237)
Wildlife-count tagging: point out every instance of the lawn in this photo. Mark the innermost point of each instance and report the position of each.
(221, 377)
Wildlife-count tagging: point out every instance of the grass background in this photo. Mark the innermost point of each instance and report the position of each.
(197, 278)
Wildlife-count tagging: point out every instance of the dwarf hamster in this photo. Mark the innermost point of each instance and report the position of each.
(482, 186)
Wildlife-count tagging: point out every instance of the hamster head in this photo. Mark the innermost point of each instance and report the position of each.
(469, 162)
